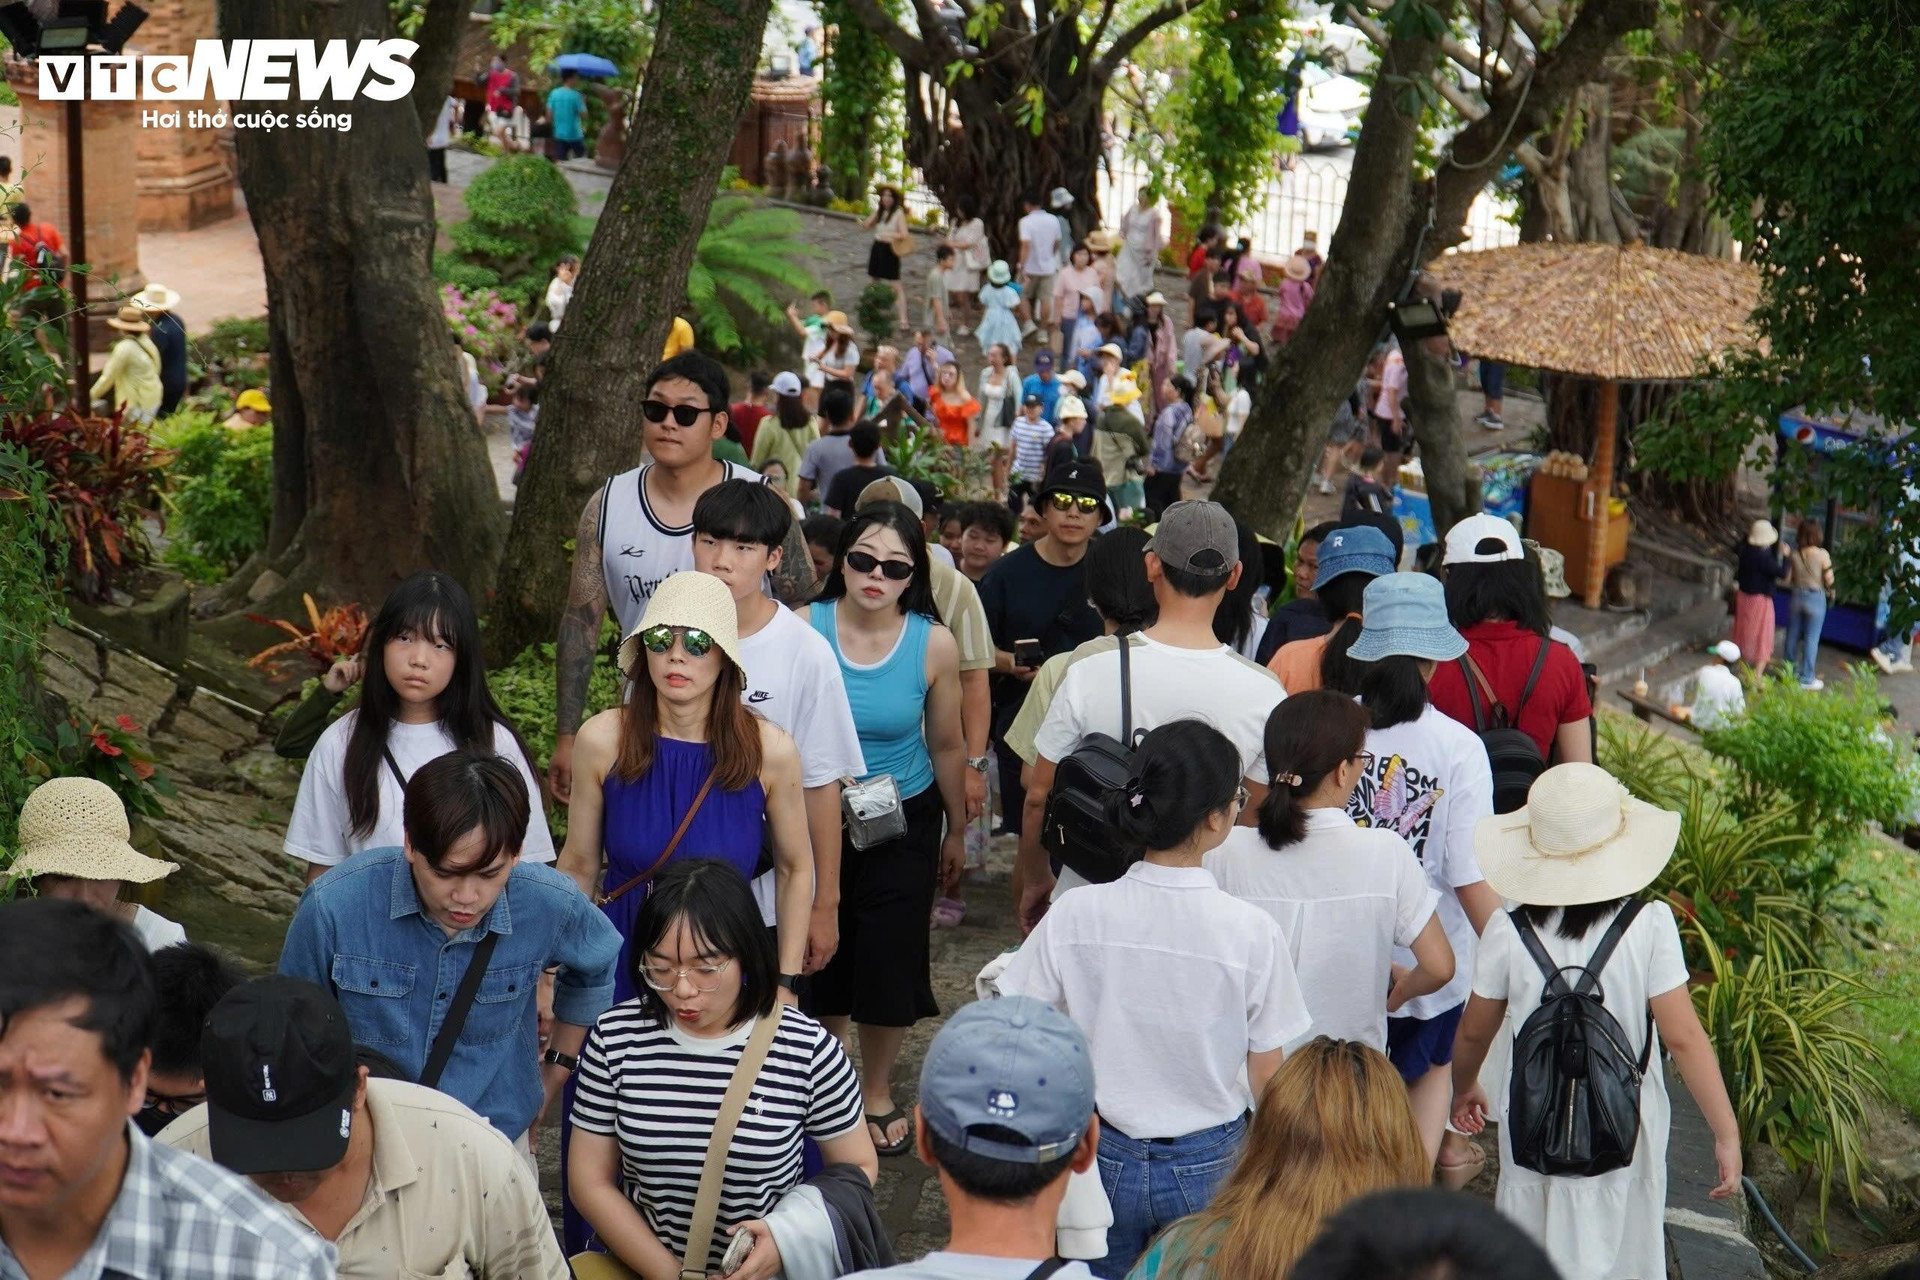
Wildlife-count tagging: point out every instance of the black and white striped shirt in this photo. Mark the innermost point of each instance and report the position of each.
(657, 1090)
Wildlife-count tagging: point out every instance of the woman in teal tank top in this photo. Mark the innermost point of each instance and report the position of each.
(902, 673)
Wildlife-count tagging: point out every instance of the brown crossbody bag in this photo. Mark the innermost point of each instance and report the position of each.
(686, 821)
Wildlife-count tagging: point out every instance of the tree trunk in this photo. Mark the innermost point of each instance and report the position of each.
(1599, 215)
(1434, 413)
(382, 472)
(631, 283)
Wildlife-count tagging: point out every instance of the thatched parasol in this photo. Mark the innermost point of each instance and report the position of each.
(1619, 313)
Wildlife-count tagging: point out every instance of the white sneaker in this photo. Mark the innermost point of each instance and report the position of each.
(1881, 660)
(1028, 329)
(1324, 485)
(1902, 666)
(1813, 686)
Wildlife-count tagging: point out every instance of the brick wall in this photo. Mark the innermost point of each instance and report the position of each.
(185, 175)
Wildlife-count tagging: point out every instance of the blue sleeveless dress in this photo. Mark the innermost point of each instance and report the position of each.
(640, 816)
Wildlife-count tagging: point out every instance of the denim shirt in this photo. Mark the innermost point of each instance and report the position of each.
(361, 933)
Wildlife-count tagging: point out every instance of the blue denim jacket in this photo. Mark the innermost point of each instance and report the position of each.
(360, 933)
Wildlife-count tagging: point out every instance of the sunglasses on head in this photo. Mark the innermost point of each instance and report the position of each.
(684, 415)
(895, 570)
(696, 642)
(1068, 501)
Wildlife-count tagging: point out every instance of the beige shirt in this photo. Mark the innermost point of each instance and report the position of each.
(1812, 569)
(958, 601)
(449, 1197)
(1033, 712)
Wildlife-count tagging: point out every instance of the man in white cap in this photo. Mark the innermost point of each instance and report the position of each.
(169, 337)
(1718, 696)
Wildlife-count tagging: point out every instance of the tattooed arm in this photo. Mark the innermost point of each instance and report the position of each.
(579, 636)
(793, 583)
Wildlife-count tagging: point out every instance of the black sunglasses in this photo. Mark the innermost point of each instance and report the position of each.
(683, 414)
(1068, 501)
(895, 570)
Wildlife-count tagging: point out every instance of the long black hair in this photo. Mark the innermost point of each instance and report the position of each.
(431, 604)
(1341, 600)
(1308, 736)
(1393, 689)
(722, 920)
(1503, 591)
(1184, 771)
(918, 597)
(1233, 617)
(1117, 580)
(1575, 921)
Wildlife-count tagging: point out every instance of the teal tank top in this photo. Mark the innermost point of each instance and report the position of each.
(889, 701)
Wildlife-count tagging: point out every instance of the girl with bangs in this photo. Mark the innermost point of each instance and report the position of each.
(424, 694)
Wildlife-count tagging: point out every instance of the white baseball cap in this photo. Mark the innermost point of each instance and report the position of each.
(786, 383)
(1464, 539)
(1726, 651)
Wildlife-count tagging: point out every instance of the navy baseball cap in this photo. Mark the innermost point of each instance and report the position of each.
(1014, 1064)
(1043, 360)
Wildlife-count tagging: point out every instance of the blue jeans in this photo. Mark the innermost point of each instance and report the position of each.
(1152, 1182)
(1806, 615)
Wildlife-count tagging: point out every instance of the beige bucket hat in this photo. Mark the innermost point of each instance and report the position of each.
(78, 827)
(1580, 838)
(688, 599)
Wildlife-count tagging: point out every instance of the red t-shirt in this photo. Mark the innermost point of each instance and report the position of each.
(1196, 260)
(1505, 652)
(747, 417)
(26, 243)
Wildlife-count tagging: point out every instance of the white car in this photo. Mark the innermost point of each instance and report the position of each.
(1330, 106)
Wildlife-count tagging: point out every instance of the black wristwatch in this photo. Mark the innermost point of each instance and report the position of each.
(791, 981)
(554, 1057)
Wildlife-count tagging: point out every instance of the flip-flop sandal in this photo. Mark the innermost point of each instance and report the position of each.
(1455, 1177)
(882, 1123)
(948, 913)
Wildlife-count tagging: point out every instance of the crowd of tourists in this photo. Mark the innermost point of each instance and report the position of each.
(1356, 849)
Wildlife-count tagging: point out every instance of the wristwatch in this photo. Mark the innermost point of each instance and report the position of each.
(554, 1057)
(979, 763)
(791, 981)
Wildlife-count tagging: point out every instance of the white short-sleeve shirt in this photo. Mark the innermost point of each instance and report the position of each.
(1174, 983)
(320, 831)
(1344, 898)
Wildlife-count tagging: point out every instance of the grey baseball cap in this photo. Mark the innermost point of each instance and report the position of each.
(1014, 1064)
(1198, 537)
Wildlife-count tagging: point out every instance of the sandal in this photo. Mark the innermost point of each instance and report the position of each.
(881, 1123)
(948, 913)
(1455, 1177)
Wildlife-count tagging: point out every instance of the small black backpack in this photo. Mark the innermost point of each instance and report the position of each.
(1573, 1102)
(1076, 832)
(1515, 758)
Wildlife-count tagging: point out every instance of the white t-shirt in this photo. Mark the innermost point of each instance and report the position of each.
(1430, 782)
(793, 679)
(1040, 231)
(559, 294)
(1215, 685)
(320, 829)
(1237, 410)
(1344, 898)
(1174, 983)
(1717, 697)
(155, 930)
(976, 1266)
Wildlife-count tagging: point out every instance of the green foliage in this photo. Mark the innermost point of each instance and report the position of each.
(220, 494)
(1220, 114)
(922, 453)
(876, 309)
(744, 252)
(524, 688)
(102, 478)
(27, 370)
(32, 538)
(115, 754)
(865, 118)
(521, 221)
(620, 31)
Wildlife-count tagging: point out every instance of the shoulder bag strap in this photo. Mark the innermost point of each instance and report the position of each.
(457, 1012)
(706, 1202)
(1556, 984)
(1126, 692)
(1473, 696)
(1533, 677)
(1046, 1269)
(1608, 941)
(686, 821)
(394, 766)
(1478, 679)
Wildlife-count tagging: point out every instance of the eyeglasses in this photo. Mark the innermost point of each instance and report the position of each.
(1241, 795)
(174, 1105)
(704, 977)
(684, 415)
(696, 642)
(1365, 758)
(894, 570)
(1068, 501)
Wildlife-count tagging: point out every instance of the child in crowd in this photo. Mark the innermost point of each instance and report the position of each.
(523, 415)
(1367, 493)
(937, 289)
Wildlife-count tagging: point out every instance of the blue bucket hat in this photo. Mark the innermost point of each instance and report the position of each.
(1406, 614)
(1354, 549)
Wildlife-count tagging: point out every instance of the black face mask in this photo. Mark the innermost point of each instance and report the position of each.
(153, 1119)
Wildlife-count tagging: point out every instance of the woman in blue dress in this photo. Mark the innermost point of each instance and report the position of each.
(683, 755)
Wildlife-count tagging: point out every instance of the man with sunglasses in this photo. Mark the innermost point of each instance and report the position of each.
(638, 529)
(1036, 602)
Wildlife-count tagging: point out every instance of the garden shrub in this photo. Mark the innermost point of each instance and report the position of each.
(221, 495)
(31, 540)
(102, 478)
(488, 326)
(520, 222)
(875, 311)
(524, 688)
(744, 252)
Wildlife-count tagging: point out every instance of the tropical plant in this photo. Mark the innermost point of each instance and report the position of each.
(875, 309)
(1646, 762)
(487, 326)
(115, 754)
(1727, 879)
(524, 688)
(102, 477)
(31, 538)
(865, 114)
(221, 494)
(745, 248)
(340, 632)
(521, 220)
(29, 372)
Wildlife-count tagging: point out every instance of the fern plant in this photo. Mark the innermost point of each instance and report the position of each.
(746, 252)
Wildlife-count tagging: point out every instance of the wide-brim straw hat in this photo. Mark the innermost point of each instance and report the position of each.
(131, 319)
(156, 297)
(1762, 534)
(837, 321)
(1297, 268)
(1580, 838)
(688, 599)
(1073, 378)
(78, 827)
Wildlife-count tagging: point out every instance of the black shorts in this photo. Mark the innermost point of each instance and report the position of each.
(882, 262)
(881, 974)
(1391, 441)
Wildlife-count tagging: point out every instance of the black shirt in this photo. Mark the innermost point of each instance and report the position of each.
(1365, 496)
(1028, 599)
(847, 484)
(1758, 570)
(1294, 620)
(169, 338)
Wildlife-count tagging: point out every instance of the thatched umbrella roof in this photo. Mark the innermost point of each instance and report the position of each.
(1620, 312)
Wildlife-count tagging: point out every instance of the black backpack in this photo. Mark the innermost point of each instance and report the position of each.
(1573, 1103)
(1076, 833)
(1514, 757)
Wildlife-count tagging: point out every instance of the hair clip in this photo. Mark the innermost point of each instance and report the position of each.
(1134, 798)
(1291, 779)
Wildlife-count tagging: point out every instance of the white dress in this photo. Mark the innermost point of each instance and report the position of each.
(1608, 1227)
(1141, 239)
(991, 400)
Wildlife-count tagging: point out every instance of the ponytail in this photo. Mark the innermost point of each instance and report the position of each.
(1308, 737)
(1184, 771)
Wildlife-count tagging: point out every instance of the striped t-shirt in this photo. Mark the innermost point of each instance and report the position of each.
(1030, 441)
(657, 1091)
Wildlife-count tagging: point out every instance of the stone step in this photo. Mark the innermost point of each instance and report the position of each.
(1714, 572)
(1655, 642)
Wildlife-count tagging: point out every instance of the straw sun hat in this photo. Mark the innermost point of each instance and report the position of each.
(688, 599)
(78, 827)
(1580, 838)
(130, 319)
